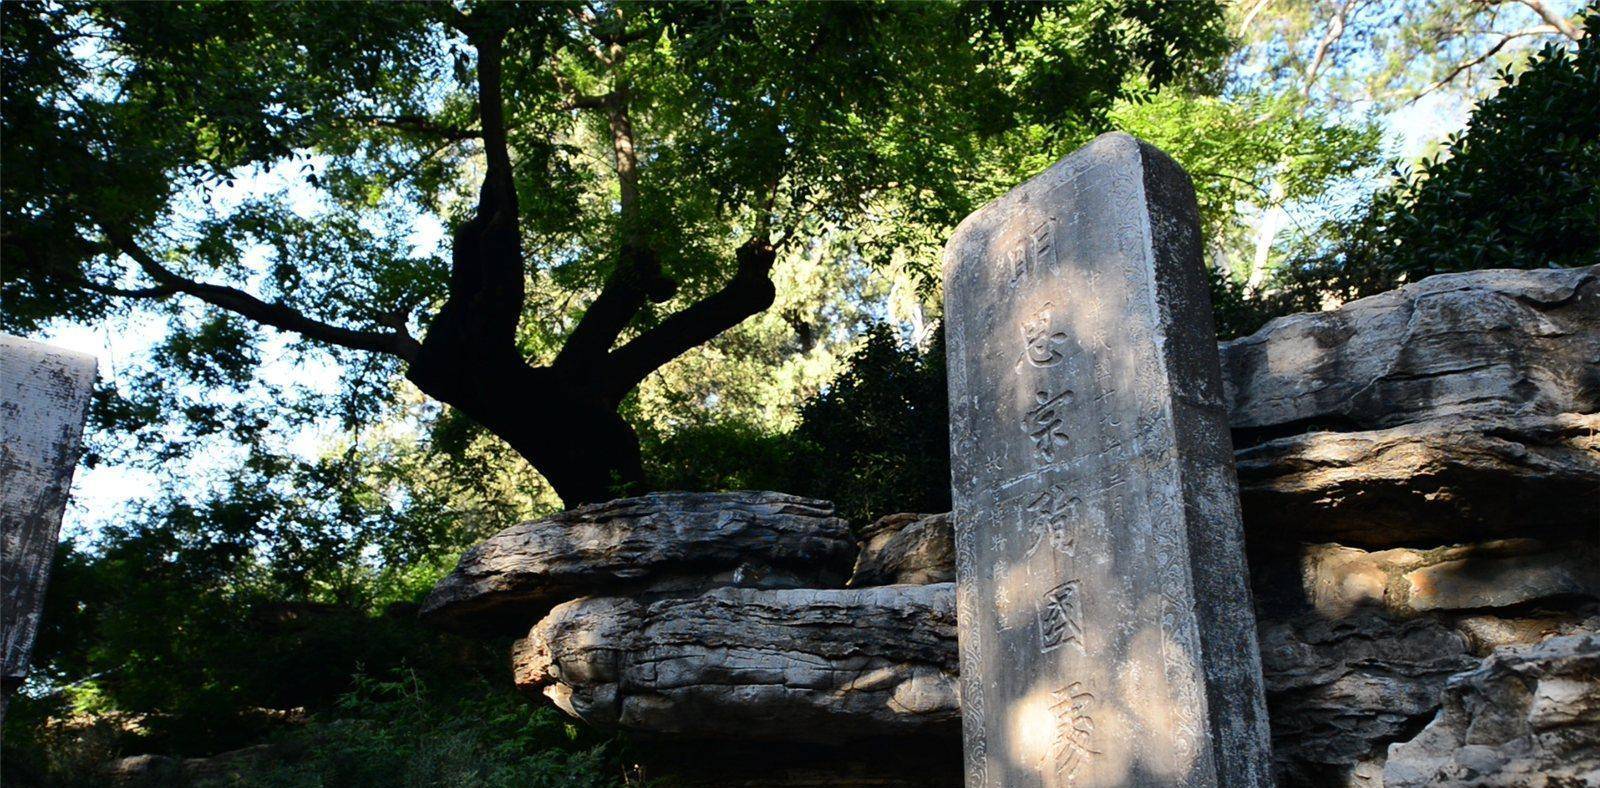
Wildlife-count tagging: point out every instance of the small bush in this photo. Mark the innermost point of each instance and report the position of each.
(877, 440)
(396, 732)
(719, 455)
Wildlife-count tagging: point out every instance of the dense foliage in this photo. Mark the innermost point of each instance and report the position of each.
(1518, 188)
(617, 181)
(882, 425)
(402, 731)
(397, 729)
(877, 441)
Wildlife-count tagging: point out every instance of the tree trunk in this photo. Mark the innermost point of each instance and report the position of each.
(563, 417)
(562, 424)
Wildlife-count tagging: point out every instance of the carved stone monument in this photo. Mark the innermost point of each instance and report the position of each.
(1106, 630)
(44, 398)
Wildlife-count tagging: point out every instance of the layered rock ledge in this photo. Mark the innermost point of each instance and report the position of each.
(1498, 342)
(836, 666)
(906, 548)
(782, 665)
(1451, 479)
(1420, 479)
(664, 543)
(1338, 691)
(1403, 582)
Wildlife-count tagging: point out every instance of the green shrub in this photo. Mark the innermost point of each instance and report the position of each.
(398, 732)
(1518, 188)
(877, 440)
(198, 647)
(719, 455)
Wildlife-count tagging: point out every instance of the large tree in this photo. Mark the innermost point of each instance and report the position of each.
(651, 159)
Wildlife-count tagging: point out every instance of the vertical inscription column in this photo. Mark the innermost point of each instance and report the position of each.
(1107, 635)
(44, 398)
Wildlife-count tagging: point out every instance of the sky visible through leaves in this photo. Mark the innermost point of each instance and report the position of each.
(100, 493)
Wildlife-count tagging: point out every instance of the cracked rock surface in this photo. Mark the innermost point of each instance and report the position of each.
(1420, 480)
(1448, 480)
(1528, 716)
(1406, 582)
(1497, 342)
(906, 548)
(663, 542)
(1339, 690)
(814, 665)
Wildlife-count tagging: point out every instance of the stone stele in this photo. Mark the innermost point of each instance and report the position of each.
(1106, 630)
(44, 398)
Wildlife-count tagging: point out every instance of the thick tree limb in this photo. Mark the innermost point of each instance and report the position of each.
(585, 102)
(491, 108)
(637, 279)
(157, 291)
(748, 293)
(280, 316)
(1554, 19)
(485, 299)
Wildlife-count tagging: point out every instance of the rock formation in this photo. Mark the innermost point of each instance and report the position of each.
(1339, 690)
(1528, 716)
(1443, 481)
(1481, 343)
(906, 548)
(813, 665)
(663, 542)
(1420, 475)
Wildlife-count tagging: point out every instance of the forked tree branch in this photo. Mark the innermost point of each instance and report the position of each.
(485, 300)
(1335, 31)
(491, 108)
(1477, 60)
(637, 277)
(748, 293)
(156, 291)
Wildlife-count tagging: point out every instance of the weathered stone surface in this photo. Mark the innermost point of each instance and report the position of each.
(44, 399)
(664, 542)
(1485, 342)
(834, 666)
(783, 665)
(906, 548)
(1447, 480)
(1528, 716)
(1340, 690)
(1338, 580)
(1107, 633)
(1476, 580)
(1487, 631)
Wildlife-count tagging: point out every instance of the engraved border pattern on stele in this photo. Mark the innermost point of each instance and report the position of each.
(1180, 642)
